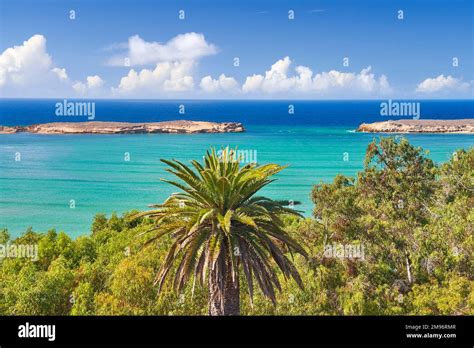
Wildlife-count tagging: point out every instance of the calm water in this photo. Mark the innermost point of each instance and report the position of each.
(91, 170)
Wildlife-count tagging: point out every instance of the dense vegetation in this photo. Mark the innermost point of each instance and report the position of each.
(413, 218)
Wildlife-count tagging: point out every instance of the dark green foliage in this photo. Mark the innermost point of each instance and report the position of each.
(415, 220)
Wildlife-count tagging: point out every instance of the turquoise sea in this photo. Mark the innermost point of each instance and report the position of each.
(92, 171)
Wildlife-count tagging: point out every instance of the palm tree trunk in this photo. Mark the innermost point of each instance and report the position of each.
(408, 265)
(229, 303)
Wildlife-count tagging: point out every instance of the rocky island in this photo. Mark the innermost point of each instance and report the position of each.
(465, 126)
(96, 127)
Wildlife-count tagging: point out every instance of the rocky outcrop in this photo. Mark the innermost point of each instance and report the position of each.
(419, 126)
(185, 127)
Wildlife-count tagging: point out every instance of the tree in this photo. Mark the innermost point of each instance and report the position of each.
(400, 183)
(220, 227)
(415, 221)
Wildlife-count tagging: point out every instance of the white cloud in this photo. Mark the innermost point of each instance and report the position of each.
(174, 64)
(252, 83)
(61, 72)
(443, 83)
(80, 87)
(189, 46)
(92, 85)
(222, 84)
(29, 68)
(277, 80)
(166, 77)
(94, 81)
(384, 84)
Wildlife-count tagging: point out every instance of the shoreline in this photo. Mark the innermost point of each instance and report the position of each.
(99, 127)
(460, 126)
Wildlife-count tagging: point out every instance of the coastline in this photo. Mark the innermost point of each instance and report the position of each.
(461, 126)
(99, 127)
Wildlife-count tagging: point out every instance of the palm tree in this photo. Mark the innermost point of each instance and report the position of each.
(219, 227)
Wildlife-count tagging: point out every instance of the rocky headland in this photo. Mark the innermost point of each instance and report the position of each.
(465, 126)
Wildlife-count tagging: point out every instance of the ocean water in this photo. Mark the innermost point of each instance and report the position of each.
(92, 171)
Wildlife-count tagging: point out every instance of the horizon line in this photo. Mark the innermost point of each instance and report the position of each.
(239, 100)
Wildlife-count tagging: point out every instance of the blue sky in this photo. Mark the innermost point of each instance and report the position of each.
(410, 57)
